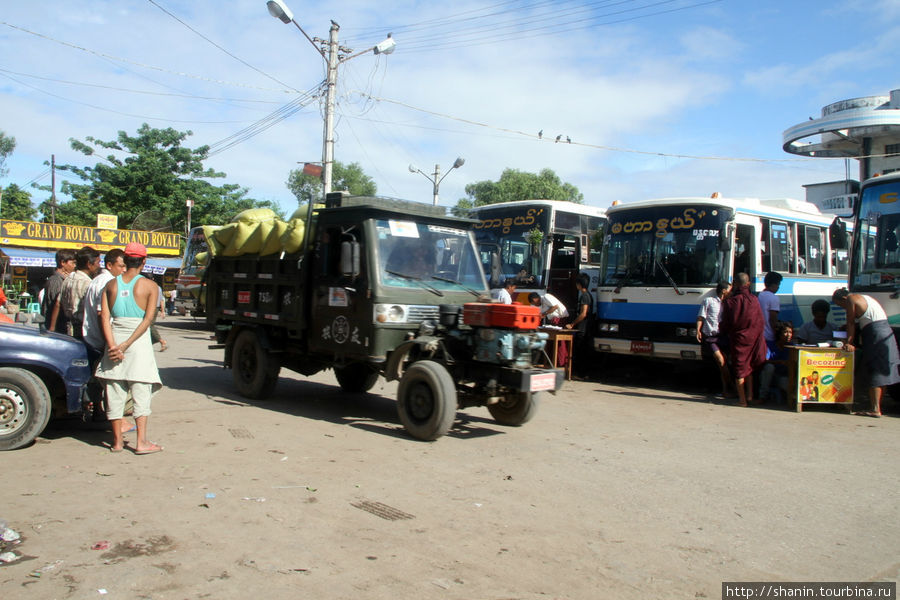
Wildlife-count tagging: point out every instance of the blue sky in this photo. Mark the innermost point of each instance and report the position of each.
(640, 86)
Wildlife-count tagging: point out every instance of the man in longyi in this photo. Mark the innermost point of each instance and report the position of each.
(129, 364)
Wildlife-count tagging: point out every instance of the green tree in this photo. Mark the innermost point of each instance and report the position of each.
(518, 185)
(16, 204)
(343, 177)
(7, 145)
(149, 171)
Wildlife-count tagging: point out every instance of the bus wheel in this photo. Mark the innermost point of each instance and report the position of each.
(515, 409)
(426, 400)
(255, 373)
(356, 378)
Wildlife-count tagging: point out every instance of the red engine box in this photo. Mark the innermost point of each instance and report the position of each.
(510, 316)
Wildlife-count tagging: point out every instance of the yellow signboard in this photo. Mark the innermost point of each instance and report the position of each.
(57, 236)
(825, 375)
(107, 221)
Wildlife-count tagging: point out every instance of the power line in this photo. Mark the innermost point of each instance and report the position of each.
(94, 106)
(240, 60)
(138, 64)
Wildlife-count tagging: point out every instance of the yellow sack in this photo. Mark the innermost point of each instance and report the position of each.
(224, 234)
(201, 258)
(255, 215)
(272, 243)
(292, 238)
(241, 239)
(301, 212)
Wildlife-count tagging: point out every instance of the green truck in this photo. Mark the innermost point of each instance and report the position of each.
(378, 289)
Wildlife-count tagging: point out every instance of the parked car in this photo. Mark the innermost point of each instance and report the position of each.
(42, 374)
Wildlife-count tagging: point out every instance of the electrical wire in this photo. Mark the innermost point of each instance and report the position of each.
(237, 58)
(143, 65)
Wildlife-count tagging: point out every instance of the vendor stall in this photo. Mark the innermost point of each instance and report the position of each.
(820, 375)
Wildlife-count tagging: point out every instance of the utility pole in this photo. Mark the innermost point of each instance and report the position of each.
(436, 180)
(328, 150)
(53, 189)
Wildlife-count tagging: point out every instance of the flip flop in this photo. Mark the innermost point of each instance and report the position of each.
(111, 449)
(868, 413)
(151, 450)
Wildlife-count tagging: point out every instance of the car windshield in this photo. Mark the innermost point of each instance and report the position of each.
(672, 245)
(879, 230)
(411, 254)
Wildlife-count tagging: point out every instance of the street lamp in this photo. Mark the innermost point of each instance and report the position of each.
(436, 179)
(279, 10)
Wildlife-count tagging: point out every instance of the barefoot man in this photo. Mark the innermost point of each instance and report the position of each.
(129, 364)
(742, 322)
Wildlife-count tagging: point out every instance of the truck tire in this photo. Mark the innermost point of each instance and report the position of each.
(426, 400)
(255, 373)
(356, 378)
(25, 407)
(516, 409)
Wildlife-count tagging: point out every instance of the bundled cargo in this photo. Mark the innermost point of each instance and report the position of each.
(257, 231)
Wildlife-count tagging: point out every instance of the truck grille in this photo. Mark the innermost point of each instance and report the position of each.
(419, 312)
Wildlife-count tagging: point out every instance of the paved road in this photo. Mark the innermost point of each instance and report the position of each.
(637, 487)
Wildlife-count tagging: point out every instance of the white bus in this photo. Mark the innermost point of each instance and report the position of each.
(661, 257)
(543, 243)
(875, 268)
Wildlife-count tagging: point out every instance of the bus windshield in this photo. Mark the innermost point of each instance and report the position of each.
(877, 254)
(671, 245)
(516, 233)
(416, 255)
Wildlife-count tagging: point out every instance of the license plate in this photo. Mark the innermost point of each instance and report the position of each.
(641, 347)
(543, 382)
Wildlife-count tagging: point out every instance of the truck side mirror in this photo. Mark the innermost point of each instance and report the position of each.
(495, 269)
(725, 239)
(837, 234)
(350, 259)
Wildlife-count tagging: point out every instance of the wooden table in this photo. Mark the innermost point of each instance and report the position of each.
(556, 337)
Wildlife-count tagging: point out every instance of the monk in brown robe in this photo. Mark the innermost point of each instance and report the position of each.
(742, 321)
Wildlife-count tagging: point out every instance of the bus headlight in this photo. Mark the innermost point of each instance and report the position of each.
(390, 313)
(612, 327)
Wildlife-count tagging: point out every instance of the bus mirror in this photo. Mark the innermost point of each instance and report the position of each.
(837, 234)
(724, 239)
(495, 269)
(350, 259)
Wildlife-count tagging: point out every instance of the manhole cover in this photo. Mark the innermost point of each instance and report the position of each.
(240, 433)
(382, 510)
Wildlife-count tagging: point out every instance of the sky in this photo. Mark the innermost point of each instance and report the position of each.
(660, 98)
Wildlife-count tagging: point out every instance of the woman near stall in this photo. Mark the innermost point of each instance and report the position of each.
(880, 355)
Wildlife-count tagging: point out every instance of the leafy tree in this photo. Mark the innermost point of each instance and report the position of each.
(518, 185)
(16, 204)
(149, 171)
(343, 177)
(7, 145)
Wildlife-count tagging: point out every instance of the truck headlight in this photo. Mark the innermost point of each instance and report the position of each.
(390, 313)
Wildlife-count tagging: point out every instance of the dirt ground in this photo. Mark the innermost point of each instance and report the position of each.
(612, 491)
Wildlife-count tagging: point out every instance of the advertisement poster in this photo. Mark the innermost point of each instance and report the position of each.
(825, 375)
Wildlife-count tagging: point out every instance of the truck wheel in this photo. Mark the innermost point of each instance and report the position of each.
(24, 407)
(255, 373)
(515, 409)
(426, 400)
(356, 378)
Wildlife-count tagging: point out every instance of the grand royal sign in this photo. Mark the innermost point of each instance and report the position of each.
(56, 236)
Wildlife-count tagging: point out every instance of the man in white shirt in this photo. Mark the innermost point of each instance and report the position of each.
(504, 294)
(820, 329)
(771, 306)
(551, 308)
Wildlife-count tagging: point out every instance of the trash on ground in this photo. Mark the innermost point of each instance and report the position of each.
(8, 557)
(102, 545)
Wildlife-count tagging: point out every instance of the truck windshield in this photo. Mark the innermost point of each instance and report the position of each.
(665, 246)
(878, 251)
(441, 256)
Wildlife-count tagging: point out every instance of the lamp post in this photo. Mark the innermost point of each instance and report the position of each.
(279, 10)
(436, 179)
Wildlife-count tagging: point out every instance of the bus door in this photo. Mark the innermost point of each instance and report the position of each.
(745, 250)
(564, 260)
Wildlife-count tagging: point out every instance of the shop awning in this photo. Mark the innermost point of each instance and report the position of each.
(27, 257)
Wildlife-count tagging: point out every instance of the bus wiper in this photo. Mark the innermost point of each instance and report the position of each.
(623, 281)
(418, 280)
(460, 284)
(669, 277)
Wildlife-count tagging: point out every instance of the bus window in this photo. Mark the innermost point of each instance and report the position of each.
(812, 250)
(779, 247)
(744, 258)
(840, 260)
(567, 221)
